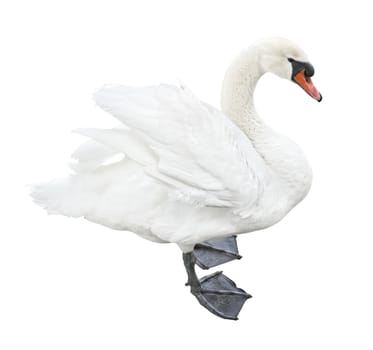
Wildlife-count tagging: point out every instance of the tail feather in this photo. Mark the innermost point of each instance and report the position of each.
(63, 196)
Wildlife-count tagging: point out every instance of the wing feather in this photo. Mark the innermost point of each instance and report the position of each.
(195, 148)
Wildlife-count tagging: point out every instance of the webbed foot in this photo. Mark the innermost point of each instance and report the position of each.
(219, 295)
(216, 292)
(216, 252)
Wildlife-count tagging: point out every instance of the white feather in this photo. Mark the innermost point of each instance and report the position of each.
(188, 172)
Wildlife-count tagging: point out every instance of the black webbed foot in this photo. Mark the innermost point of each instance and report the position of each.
(219, 295)
(216, 252)
(216, 292)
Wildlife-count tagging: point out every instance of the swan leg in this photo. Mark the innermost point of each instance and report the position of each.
(216, 292)
(216, 252)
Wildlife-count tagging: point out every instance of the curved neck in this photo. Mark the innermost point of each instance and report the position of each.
(286, 160)
(237, 92)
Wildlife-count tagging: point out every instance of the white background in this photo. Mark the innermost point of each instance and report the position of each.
(70, 284)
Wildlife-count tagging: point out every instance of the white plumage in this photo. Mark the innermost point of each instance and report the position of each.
(188, 172)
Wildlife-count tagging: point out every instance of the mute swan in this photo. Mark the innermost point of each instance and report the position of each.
(191, 174)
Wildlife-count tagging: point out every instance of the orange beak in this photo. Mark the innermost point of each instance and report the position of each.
(306, 84)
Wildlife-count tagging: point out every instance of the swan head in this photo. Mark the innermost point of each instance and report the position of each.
(287, 60)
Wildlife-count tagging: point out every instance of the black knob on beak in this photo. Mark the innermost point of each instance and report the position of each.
(297, 66)
(309, 71)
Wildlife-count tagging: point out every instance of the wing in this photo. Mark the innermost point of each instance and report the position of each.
(192, 147)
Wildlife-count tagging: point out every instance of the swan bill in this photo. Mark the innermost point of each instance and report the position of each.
(306, 84)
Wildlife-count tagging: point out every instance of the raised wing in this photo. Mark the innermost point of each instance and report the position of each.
(192, 147)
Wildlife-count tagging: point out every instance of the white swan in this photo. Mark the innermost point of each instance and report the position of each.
(190, 173)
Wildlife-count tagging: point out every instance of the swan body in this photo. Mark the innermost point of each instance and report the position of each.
(189, 172)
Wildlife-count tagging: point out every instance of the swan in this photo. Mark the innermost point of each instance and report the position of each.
(189, 173)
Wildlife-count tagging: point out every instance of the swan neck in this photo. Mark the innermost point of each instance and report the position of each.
(286, 160)
(238, 89)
